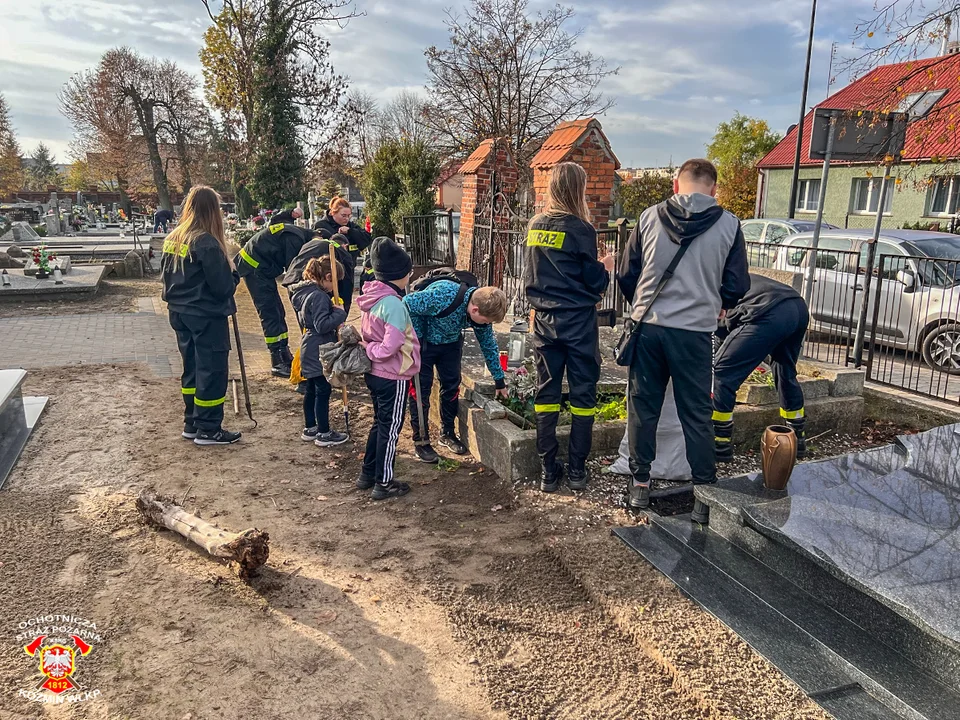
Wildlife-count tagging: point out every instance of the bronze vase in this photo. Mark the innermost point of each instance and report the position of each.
(779, 455)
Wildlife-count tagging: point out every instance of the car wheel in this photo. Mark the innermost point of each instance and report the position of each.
(941, 348)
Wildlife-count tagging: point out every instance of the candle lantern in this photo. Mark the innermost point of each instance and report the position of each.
(518, 344)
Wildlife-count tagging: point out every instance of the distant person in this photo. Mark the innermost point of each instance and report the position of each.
(675, 337)
(337, 219)
(160, 219)
(287, 217)
(771, 320)
(199, 281)
(564, 280)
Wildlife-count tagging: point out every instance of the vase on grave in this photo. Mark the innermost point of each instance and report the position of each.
(42, 274)
(778, 455)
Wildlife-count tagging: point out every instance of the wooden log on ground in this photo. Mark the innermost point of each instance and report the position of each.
(246, 551)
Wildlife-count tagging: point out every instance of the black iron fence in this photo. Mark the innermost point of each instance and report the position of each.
(914, 325)
(430, 239)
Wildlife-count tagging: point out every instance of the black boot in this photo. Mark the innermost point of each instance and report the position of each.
(798, 425)
(638, 495)
(723, 435)
(280, 366)
(550, 479)
(577, 479)
(287, 355)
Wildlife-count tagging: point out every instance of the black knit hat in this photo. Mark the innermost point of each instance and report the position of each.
(390, 261)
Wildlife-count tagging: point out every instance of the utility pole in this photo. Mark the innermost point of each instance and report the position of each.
(792, 211)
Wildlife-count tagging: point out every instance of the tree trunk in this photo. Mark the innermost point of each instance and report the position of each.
(246, 551)
(186, 181)
(156, 162)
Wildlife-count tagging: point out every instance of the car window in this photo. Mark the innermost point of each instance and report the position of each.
(883, 248)
(832, 253)
(776, 234)
(752, 231)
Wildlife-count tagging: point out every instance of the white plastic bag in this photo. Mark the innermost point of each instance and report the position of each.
(671, 461)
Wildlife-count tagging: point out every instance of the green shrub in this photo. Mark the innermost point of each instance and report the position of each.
(41, 230)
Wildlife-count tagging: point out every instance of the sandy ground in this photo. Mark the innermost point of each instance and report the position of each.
(466, 599)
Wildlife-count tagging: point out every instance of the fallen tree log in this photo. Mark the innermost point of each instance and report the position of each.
(246, 551)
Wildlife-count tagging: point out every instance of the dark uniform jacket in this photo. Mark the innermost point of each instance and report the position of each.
(764, 295)
(203, 284)
(317, 248)
(284, 217)
(561, 268)
(319, 320)
(271, 250)
(359, 239)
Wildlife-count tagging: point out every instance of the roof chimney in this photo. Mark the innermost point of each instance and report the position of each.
(945, 44)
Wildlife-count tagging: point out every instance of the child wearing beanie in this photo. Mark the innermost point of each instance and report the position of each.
(394, 351)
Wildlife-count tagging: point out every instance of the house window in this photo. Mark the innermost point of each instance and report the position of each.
(919, 104)
(866, 196)
(808, 196)
(943, 197)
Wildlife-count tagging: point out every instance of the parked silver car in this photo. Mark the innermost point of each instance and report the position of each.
(919, 280)
(772, 232)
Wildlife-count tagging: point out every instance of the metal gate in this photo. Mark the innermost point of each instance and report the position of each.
(499, 243)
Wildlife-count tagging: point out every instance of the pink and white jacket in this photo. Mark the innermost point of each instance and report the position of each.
(392, 343)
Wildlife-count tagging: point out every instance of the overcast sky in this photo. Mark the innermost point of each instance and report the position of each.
(686, 65)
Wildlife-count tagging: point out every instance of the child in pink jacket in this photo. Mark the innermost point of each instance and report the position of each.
(394, 351)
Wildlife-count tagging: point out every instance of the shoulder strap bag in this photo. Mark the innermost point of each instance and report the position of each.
(624, 351)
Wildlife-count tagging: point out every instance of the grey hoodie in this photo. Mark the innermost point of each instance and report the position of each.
(711, 276)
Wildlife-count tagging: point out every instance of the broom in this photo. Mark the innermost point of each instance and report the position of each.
(337, 301)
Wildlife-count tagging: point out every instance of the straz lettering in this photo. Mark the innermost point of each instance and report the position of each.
(274, 229)
(546, 238)
(170, 248)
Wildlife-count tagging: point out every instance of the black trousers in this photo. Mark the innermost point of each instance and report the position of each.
(389, 404)
(316, 404)
(345, 288)
(686, 356)
(446, 360)
(266, 299)
(566, 341)
(778, 333)
(204, 344)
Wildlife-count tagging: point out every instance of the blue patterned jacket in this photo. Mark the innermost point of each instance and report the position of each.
(424, 306)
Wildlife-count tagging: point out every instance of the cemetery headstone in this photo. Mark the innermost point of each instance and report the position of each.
(14, 251)
(133, 264)
(7, 262)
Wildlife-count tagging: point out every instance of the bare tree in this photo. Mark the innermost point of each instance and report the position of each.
(508, 73)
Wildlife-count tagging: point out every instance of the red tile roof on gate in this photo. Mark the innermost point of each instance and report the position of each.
(478, 157)
(882, 89)
(565, 138)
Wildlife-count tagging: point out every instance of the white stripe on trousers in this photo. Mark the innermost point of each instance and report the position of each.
(396, 422)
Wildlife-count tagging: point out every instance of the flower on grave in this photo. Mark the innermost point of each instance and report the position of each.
(42, 258)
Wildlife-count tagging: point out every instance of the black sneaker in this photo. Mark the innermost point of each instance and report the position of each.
(639, 495)
(216, 437)
(364, 482)
(390, 490)
(329, 439)
(577, 480)
(551, 483)
(427, 454)
(189, 432)
(453, 444)
(309, 434)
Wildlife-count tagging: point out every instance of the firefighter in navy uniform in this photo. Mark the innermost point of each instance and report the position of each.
(199, 283)
(337, 220)
(317, 247)
(564, 281)
(265, 257)
(771, 320)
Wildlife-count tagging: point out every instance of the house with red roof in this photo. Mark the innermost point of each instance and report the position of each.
(926, 183)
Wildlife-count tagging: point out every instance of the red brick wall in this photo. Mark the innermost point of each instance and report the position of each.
(590, 154)
(476, 189)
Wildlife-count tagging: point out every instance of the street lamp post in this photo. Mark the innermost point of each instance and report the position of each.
(792, 210)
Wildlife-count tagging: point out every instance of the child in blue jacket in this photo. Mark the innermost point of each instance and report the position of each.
(440, 326)
(319, 319)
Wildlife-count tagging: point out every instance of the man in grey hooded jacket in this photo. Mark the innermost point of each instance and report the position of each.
(675, 339)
